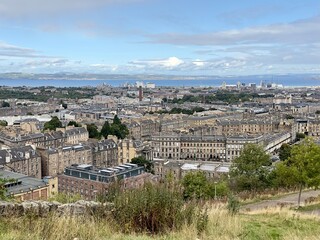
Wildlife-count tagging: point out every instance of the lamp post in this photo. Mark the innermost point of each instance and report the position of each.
(215, 190)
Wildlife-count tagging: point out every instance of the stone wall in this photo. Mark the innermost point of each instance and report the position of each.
(43, 208)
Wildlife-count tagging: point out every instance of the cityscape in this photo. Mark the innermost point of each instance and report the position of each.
(159, 120)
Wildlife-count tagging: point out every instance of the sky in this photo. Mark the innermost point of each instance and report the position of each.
(175, 37)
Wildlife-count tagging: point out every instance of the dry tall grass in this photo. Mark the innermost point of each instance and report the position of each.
(276, 223)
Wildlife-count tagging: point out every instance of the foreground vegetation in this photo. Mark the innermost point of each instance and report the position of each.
(275, 224)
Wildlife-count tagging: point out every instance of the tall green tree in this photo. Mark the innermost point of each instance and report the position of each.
(93, 131)
(116, 120)
(106, 130)
(284, 152)
(74, 123)
(142, 161)
(302, 168)
(251, 170)
(53, 124)
(195, 185)
(118, 129)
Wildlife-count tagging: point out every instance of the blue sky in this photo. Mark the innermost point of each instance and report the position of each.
(180, 37)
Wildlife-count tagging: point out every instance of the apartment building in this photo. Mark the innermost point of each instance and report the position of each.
(232, 127)
(101, 154)
(212, 148)
(310, 127)
(179, 168)
(48, 139)
(104, 153)
(189, 147)
(90, 182)
(55, 160)
(24, 160)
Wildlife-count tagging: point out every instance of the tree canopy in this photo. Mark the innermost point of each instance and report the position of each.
(3, 123)
(300, 136)
(116, 128)
(74, 123)
(53, 124)
(93, 131)
(302, 168)
(251, 170)
(142, 161)
(197, 186)
(284, 152)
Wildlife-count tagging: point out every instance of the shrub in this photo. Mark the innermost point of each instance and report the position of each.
(155, 209)
(233, 204)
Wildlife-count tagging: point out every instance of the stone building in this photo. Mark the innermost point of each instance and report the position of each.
(55, 160)
(307, 126)
(128, 149)
(24, 160)
(232, 127)
(91, 182)
(48, 139)
(178, 168)
(212, 148)
(101, 154)
(104, 153)
(189, 147)
(29, 125)
(143, 129)
(75, 135)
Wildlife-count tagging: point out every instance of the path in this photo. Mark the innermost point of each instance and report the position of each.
(291, 199)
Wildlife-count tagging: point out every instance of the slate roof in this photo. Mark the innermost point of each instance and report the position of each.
(23, 182)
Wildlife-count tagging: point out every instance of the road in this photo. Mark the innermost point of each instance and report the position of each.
(291, 200)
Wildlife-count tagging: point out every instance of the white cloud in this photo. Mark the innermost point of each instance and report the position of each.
(35, 8)
(170, 63)
(46, 62)
(9, 50)
(298, 32)
(198, 63)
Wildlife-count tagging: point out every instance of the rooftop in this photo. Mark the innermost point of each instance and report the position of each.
(23, 182)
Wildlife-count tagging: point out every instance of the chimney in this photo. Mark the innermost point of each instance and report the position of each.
(140, 93)
(8, 157)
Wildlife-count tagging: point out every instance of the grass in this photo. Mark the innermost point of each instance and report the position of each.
(273, 223)
(279, 226)
(309, 208)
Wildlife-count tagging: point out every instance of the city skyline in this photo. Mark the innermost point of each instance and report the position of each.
(160, 37)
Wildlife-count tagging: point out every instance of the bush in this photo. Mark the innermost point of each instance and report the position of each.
(233, 205)
(155, 209)
(3, 123)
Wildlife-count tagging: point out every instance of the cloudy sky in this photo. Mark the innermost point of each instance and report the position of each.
(182, 37)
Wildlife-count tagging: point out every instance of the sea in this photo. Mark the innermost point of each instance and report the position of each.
(286, 81)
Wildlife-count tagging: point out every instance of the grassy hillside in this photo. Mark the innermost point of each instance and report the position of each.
(265, 224)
